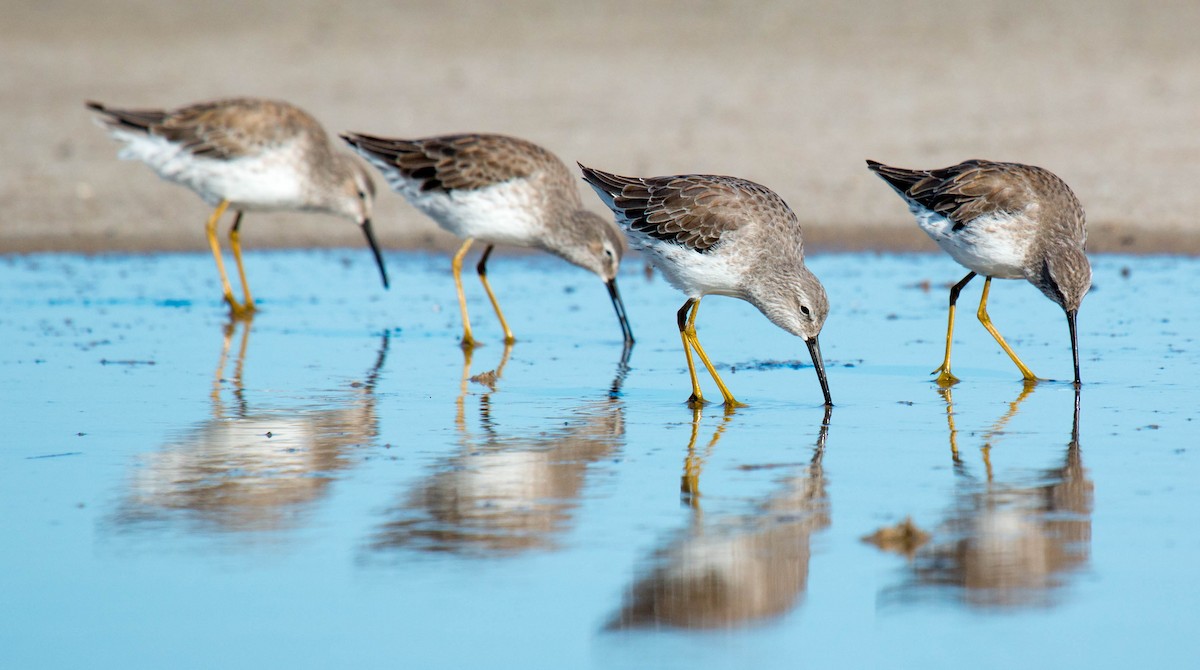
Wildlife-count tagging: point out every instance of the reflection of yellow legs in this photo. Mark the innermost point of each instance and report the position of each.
(468, 340)
(237, 310)
(482, 270)
(987, 323)
(692, 465)
(945, 393)
(488, 379)
(238, 366)
(687, 332)
(996, 429)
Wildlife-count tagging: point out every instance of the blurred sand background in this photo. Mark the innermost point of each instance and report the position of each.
(792, 94)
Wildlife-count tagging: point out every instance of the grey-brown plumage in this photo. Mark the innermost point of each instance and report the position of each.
(500, 190)
(692, 210)
(720, 235)
(1002, 220)
(248, 154)
(469, 161)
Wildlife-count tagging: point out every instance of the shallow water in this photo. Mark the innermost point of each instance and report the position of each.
(328, 487)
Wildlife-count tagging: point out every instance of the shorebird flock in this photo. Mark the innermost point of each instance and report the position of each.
(707, 234)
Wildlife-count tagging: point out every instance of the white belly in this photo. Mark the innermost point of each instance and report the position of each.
(693, 273)
(993, 246)
(264, 182)
(505, 213)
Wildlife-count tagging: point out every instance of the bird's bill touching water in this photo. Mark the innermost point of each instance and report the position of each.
(814, 348)
(370, 233)
(626, 331)
(1074, 342)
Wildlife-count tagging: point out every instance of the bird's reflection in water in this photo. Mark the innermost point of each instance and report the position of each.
(730, 570)
(248, 468)
(1006, 545)
(506, 492)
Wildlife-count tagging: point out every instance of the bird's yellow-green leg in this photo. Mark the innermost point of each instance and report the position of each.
(681, 317)
(468, 340)
(235, 243)
(482, 270)
(987, 323)
(730, 401)
(945, 377)
(211, 229)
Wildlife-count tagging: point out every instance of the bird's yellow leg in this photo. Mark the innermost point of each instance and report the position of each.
(235, 243)
(211, 229)
(482, 270)
(697, 398)
(691, 334)
(468, 340)
(945, 377)
(987, 323)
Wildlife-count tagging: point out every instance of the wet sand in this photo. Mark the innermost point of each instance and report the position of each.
(793, 95)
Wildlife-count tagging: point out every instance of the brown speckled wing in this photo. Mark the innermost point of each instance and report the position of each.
(235, 128)
(458, 162)
(963, 192)
(691, 210)
(222, 129)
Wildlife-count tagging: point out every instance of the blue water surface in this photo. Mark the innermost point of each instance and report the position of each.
(335, 484)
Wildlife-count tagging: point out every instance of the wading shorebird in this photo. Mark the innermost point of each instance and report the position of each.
(722, 236)
(250, 155)
(499, 190)
(1001, 220)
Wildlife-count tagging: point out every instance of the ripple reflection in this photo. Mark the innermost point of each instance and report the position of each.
(731, 570)
(249, 469)
(504, 493)
(1007, 544)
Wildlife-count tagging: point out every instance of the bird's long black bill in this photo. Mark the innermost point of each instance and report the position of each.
(814, 348)
(370, 233)
(1074, 342)
(626, 331)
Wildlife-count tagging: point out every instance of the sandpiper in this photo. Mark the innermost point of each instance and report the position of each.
(252, 155)
(500, 190)
(723, 236)
(1001, 220)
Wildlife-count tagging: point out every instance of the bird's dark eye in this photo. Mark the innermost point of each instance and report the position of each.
(805, 311)
(362, 196)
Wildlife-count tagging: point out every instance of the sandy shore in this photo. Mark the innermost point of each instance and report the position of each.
(791, 94)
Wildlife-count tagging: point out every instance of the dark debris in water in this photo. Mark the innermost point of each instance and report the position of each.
(751, 467)
(769, 365)
(772, 364)
(105, 361)
(904, 538)
(487, 379)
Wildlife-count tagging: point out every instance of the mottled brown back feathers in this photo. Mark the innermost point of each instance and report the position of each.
(460, 162)
(691, 210)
